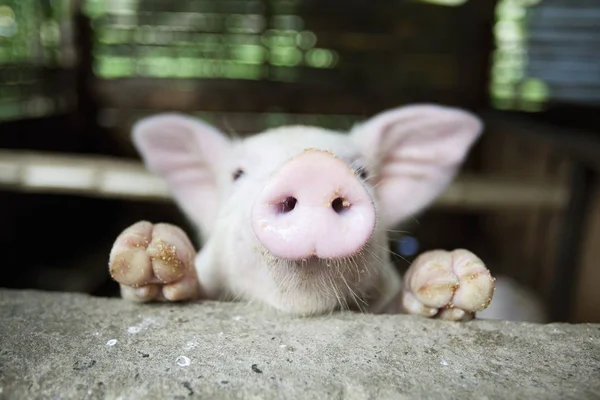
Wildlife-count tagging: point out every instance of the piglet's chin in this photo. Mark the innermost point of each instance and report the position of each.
(314, 285)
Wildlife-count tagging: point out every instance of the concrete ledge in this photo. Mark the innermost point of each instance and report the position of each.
(71, 346)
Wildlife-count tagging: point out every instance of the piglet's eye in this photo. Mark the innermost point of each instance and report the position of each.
(362, 173)
(238, 174)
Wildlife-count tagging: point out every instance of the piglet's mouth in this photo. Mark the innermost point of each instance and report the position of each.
(313, 262)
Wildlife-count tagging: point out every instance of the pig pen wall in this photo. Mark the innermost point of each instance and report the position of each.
(246, 66)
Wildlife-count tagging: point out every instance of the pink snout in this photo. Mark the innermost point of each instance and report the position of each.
(313, 206)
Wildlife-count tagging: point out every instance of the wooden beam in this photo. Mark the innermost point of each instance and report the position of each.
(217, 95)
(107, 177)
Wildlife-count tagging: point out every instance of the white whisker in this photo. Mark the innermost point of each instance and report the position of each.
(389, 251)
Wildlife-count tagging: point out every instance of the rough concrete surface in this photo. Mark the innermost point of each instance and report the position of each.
(72, 346)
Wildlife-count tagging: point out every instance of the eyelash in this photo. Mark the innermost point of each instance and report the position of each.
(238, 174)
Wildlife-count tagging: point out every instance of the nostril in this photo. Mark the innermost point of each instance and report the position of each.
(286, 205)
(340, 205)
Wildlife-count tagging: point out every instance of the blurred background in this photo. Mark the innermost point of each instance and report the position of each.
(75, 75)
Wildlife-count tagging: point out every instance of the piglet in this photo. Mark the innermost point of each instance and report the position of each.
(297, 217)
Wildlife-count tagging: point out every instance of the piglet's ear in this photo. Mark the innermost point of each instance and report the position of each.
(186, 153)
(414, 153)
